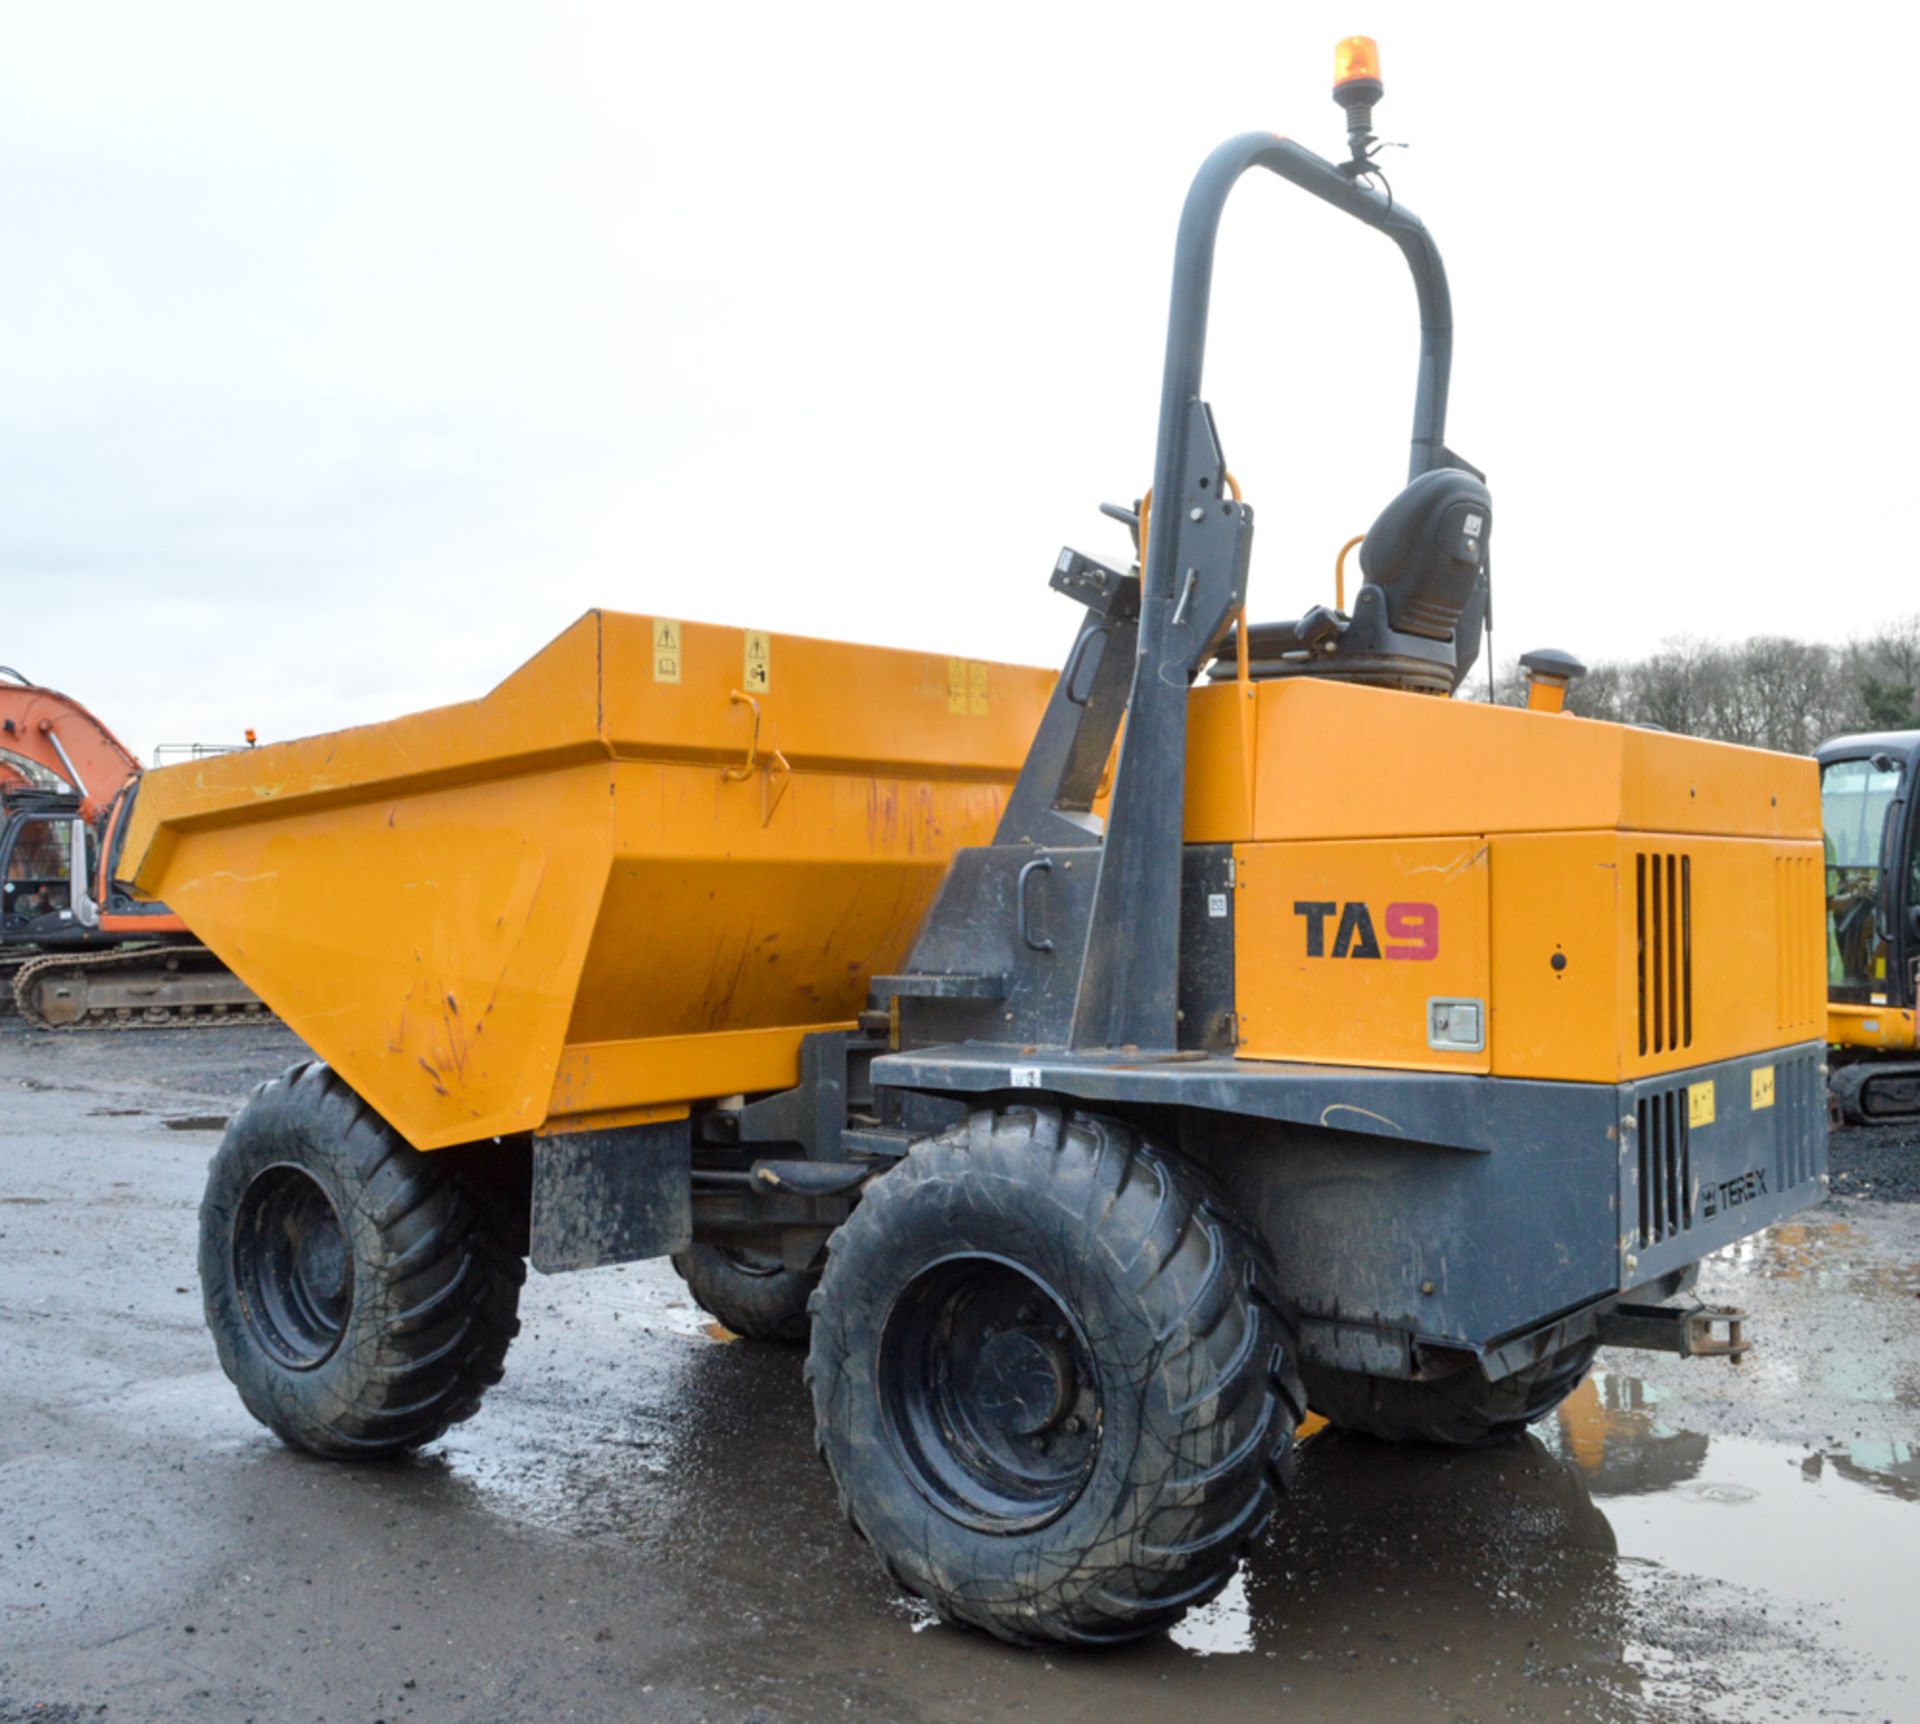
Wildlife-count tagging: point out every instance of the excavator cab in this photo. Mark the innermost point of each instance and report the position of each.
(1873, 921)
(44, 860)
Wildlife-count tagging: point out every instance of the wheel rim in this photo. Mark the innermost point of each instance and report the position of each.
(292, 1267)
(990, 1394)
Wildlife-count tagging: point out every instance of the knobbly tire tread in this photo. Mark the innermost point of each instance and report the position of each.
(757, 1307)
(1460, 1411)
(436, 1286)
(1163, 1523)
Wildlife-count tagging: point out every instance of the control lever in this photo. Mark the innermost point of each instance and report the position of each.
(1128, 518)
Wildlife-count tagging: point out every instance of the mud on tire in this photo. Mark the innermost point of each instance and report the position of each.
(360, 1299)
(1460, 1411)
(756, 1297)
(1039, 1275)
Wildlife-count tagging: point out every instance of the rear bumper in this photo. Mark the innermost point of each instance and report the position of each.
(1710, 1155)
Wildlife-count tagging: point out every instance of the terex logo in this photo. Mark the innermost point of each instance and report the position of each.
(1748, 1188)
(1413, 930)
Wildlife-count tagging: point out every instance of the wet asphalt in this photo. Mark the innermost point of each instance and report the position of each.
(635, 1527)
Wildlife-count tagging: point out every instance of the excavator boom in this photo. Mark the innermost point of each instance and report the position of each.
(49, 741)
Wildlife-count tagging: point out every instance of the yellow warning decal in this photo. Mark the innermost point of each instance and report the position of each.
(1700, 1103)
(1762, 1087)
(666, 650)
(759, 667)
(966, 688)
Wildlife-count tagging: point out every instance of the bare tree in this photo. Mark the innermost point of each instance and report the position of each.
(1769, 691)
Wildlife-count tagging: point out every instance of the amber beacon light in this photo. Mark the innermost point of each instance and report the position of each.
(1357, 59)
(1356, 87)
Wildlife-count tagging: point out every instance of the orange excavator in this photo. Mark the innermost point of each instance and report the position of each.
(76, 950)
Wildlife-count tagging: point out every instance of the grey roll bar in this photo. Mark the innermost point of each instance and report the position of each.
(1129, 985)
(1193, 289)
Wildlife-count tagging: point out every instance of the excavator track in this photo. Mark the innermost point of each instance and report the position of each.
(146, 988)
(1870, 1092)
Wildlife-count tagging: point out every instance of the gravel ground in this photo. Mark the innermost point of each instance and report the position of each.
(635, 1527)
(1877, 1161)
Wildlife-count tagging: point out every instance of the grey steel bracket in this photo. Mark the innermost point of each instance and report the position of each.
(1691, 1332)
(813, 1113)
(1052, 801)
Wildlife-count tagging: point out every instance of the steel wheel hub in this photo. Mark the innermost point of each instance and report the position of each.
(292, 1268)
(990, 1393)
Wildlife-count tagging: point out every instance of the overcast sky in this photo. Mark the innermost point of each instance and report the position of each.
(347, 354)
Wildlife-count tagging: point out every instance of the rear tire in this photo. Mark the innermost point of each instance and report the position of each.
(360, 1300)
(1051, 1379)
(756, 1297)
(1461, 1411)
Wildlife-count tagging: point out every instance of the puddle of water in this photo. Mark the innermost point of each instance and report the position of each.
(196, 1122)
(1830, 1529)
(920, 1615)
(1614, 1430)
(1225, 1625)
(592, 1463)
(1824, 1250)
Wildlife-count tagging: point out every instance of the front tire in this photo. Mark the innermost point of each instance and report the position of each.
(1460, 1411)
(1051, 1379)
(360, 1300)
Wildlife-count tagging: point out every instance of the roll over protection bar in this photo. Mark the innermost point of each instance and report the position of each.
(1129, 983)
(1193, 293)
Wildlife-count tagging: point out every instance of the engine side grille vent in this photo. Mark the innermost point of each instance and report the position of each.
(1663, 883)
(1666, 1170)
(1800, 1112)
(1799, 906)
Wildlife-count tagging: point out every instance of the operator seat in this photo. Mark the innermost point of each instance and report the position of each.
(1417, 619)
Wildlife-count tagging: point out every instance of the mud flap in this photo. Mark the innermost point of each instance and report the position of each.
(612, 1196)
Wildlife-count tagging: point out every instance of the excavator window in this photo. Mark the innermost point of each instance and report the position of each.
(35, 775)
(1856, 797)
(39, 867)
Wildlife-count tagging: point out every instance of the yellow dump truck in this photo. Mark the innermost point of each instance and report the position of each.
(1098, 1069)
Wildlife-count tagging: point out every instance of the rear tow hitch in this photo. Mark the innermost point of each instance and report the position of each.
(1697, 1332)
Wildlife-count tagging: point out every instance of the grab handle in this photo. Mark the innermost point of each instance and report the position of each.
(1039, 865)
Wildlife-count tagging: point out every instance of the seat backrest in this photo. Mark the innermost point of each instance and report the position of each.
(1426, 549)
